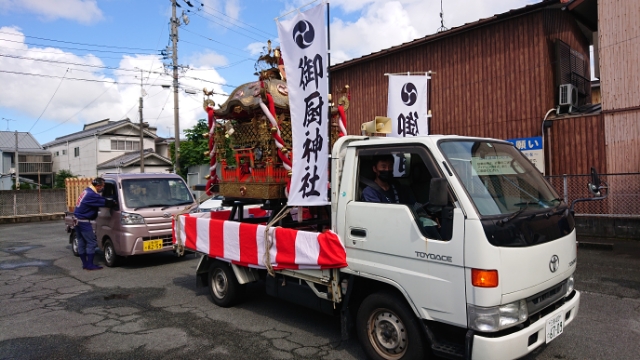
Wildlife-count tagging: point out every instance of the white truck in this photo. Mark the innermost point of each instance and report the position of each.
(481, 268)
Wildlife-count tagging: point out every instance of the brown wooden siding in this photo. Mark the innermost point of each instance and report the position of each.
(495, 81)
(623, 141)
(576, 144)
(619, 54)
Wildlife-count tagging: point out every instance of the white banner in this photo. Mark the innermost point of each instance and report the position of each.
(303, 41)
(407, 105)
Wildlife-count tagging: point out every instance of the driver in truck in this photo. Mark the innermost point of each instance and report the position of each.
(382, 189)
(86, 210)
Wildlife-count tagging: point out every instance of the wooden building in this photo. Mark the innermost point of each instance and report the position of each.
(619, 60)
(498, 77)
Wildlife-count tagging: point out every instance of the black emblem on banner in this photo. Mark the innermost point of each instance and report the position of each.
(409, 94)
(303, 34)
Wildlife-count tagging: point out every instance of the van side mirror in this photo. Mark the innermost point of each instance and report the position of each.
(439, 192)
(594, 185)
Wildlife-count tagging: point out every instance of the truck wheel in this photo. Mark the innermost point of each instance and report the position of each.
(388, 329)
(73, 240)
(223, 286)
(110, 256)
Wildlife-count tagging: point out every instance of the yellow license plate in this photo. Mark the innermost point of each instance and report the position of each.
(152, 245)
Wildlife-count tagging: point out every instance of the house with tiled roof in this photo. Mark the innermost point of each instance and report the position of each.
(100, 142)
(33, 164)
(130, 163)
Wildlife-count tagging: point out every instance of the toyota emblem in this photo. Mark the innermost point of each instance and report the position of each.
(554, 263)
(167, 215)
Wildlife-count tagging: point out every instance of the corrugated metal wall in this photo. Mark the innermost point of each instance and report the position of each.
(495, 80)
(619, 52)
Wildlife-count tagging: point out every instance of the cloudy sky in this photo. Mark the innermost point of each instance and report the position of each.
(66, 63)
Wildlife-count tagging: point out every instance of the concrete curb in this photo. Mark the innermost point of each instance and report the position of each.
(31, 218)
(594, 245)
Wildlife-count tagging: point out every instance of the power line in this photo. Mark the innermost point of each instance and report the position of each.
(79, 49)
(77, 79)
(226, 27)
(71, 63)
(52, 96)
(236, 20)
(72, 116)
(77, 43)
(210, 39)
(58, 53)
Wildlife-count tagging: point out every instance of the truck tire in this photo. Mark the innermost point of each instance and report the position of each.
(73, 240)
(223, 286)
(110, 257)
(388, 329)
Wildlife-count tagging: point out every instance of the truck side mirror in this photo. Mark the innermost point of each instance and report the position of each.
(439, 192)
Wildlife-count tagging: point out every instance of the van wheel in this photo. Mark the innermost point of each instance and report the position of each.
(73, 240)
(223, 286)
(388, 329)
(110, 256)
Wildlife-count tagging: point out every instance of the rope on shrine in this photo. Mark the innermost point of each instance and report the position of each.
(179, 246)
(283, 154)
(342, 124)
(268, 240)
(213, 175)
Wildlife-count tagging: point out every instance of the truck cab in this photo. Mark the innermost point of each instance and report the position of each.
(492, 263)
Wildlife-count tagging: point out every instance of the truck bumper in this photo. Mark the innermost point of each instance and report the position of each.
(516, 345)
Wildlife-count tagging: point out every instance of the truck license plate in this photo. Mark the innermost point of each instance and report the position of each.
(152, 245)
(555, 325)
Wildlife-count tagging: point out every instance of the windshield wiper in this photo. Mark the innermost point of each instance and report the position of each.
(515, 214)
(178, 204)
(147, 206)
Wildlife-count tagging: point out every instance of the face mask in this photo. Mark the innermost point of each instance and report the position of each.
(385, 175)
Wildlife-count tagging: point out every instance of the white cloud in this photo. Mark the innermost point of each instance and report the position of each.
(381, 24)
(207, 58)
(256, 48)
(82, 11)
(232, 8)
(88, 101)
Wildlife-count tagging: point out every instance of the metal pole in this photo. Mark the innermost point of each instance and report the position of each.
(141, 137)
(565, 191)
(176, 114)
(17, 161)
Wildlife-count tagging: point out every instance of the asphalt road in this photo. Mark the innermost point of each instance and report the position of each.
(149, 308)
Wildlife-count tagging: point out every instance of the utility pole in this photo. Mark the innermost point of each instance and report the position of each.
(176, 113)
(141, 127)
(17, 161)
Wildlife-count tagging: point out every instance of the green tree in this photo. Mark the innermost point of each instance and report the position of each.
(193, 148)
(60, 176)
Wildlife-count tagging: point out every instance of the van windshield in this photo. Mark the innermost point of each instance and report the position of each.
(498, 178)
(140, 193)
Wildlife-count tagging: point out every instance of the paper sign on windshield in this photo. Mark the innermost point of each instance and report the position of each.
(493, 165)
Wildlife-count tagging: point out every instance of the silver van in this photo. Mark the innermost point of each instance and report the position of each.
(141, 222)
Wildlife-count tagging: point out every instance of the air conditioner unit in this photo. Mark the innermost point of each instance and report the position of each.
(568, 96)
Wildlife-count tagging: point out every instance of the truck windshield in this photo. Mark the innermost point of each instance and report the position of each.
(140, 193)
(498, 178)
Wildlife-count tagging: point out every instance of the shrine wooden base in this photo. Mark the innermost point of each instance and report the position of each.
(252, 190)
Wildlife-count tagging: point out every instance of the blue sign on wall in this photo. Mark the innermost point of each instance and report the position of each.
(530, 143)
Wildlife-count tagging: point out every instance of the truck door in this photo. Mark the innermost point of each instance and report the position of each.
(107, 218)
(396, 234)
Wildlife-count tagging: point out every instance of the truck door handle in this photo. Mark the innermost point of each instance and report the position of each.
(359, 232)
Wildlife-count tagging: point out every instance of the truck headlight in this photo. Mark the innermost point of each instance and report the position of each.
(131, 218)
(570, 283)
(496, 318)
